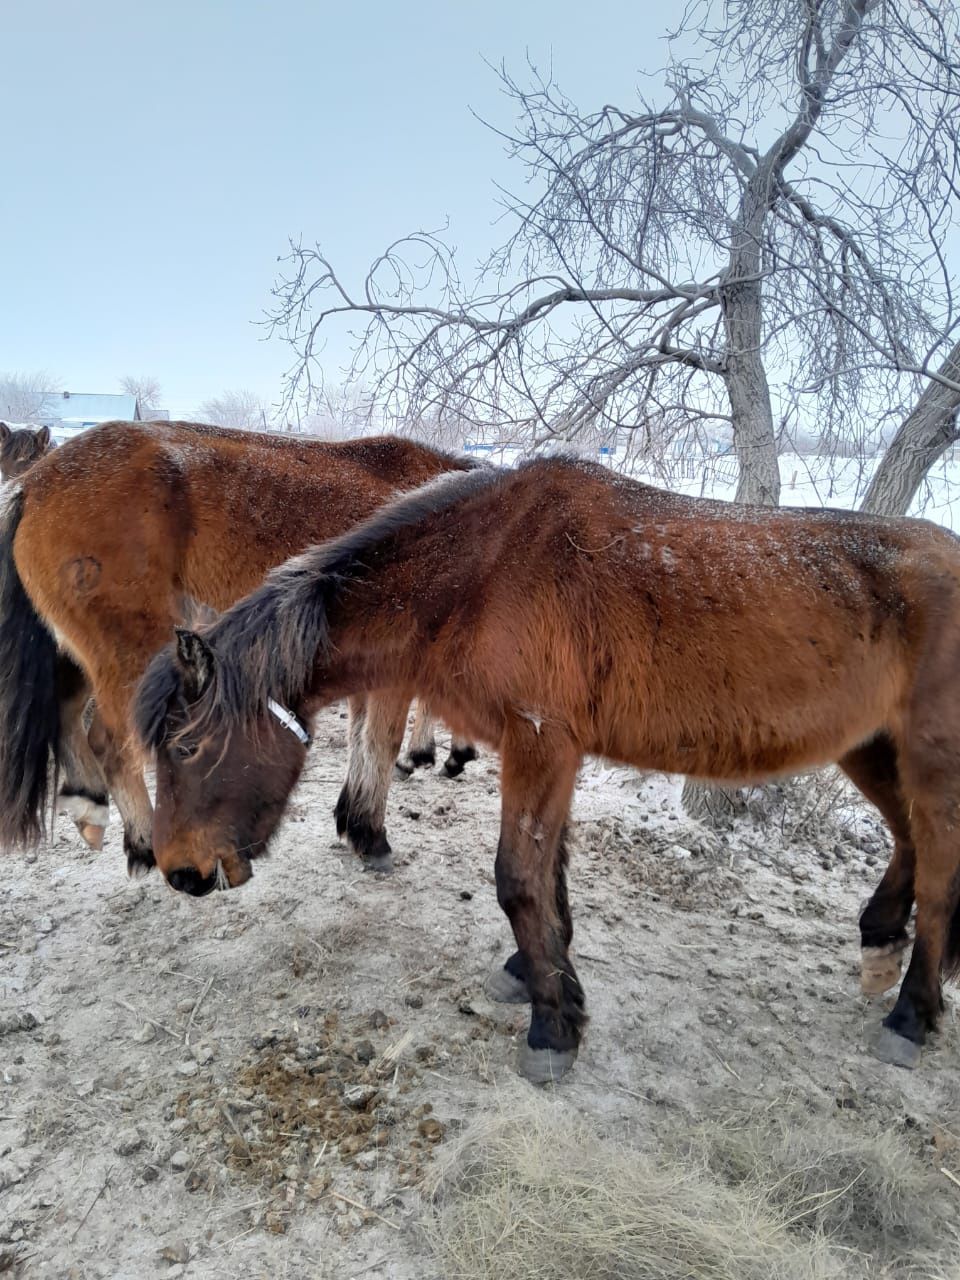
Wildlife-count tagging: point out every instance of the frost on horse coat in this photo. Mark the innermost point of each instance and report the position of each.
(131, 528)
(590, 614)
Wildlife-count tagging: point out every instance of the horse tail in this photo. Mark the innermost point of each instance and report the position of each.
(29, 705)
(951, 959)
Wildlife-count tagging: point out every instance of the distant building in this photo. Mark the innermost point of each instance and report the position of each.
(67, 413)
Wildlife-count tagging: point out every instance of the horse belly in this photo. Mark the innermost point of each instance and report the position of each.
(709, 726)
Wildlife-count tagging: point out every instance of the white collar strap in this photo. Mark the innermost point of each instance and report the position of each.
(289, 721)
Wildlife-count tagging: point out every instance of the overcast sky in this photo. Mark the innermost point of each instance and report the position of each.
(156, 158)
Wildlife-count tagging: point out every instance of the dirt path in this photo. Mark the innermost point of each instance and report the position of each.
(251, 1084)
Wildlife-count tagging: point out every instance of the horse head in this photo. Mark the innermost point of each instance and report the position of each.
(222, 786)
(20, 448)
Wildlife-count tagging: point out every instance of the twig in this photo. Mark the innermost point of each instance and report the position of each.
(952, 1176)
(726, 1066)
(106, 1182)
(193, 1012)
(228, 1116)
(372, 1267)
(234, 1239)
(363, 1209)
(178, 973)
(153, 1022)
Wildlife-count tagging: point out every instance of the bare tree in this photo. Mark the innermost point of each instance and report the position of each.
(147, 391)
(25, 397)
(759, 253)
(236, 409)
(757, 256)
(340, 412)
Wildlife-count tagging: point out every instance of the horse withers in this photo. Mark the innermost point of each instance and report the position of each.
(21, 447)
(595, 615)
(131, 528)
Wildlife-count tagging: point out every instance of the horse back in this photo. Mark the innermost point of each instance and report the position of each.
(158, 512)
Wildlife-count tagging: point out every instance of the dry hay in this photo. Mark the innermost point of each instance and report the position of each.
(879, 1193)
(299, 1109)
(538, 1192)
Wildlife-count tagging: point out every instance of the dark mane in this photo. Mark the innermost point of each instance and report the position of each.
(267, 644)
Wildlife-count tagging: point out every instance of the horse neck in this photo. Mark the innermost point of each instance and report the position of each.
(381, 627)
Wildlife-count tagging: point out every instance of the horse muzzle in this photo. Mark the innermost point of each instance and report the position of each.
(229, 872)
(189, 880)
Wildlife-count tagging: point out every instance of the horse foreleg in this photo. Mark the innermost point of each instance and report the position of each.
(83, 790)
(123, 770)
(538, 770)
(873, 768)
(356, 718)
(375, 735)
(422, 752)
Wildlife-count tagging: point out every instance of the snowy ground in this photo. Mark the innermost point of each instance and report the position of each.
(173, 1071)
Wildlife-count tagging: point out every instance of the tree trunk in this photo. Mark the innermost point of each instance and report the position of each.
(749, 393)
(741, 301)
(750, 409)
(926, 431)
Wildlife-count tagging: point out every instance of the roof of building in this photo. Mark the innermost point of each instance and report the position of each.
(82, 408)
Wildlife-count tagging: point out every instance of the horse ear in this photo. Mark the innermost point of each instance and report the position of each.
(195, 659)
(42, 436)
(5, 432)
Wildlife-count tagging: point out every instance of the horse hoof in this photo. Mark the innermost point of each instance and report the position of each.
(382, 863)
(140, 862)
(880, 967)
(92, 835)
(545, 1066)
(503, 987)
(402, 771)
(890, 1047)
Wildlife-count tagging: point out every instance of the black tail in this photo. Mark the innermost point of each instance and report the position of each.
(951, 962)
(29, 706)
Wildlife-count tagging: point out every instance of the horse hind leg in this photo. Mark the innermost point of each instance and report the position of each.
(375, 736)
(83, 789)
(461, 753)
(874, 770)
(422, 751)
(930, 768)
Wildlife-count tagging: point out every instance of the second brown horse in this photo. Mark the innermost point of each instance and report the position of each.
(122, 533)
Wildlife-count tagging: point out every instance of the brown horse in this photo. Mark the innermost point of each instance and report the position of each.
(594, 615)
(21, 447)
(131, 528)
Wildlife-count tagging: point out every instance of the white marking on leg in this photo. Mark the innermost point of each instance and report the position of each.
(357, 713)
(422, 737)
(83, 810)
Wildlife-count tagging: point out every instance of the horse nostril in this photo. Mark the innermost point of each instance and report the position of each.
(189, 880)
